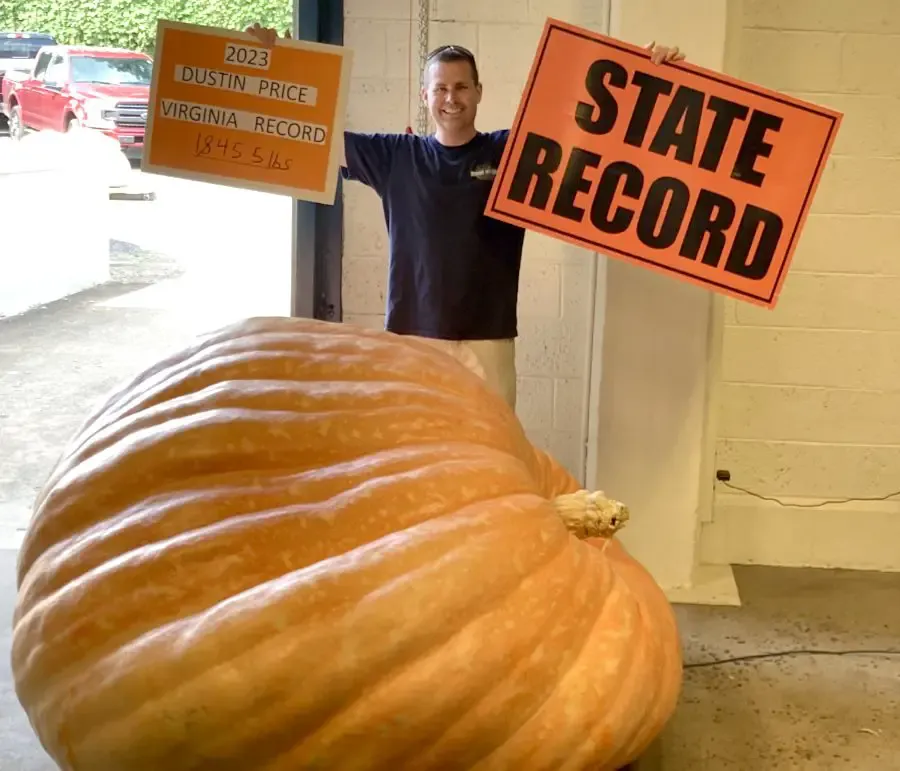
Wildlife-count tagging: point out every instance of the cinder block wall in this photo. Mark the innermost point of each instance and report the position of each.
(810, 398)
(557, 287)
(383, 97)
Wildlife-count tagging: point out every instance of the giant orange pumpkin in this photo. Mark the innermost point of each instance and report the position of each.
(299, 545)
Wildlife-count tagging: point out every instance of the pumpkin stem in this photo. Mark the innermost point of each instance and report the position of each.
(590, 514)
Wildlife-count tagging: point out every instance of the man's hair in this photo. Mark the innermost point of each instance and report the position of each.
(451, 53)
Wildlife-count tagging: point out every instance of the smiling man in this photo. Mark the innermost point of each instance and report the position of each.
(453, 275)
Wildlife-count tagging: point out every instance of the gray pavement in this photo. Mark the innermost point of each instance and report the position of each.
(194, 259)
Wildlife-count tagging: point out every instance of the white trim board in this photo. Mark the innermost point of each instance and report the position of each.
(710, 585)
(594, 377)
(860, 535)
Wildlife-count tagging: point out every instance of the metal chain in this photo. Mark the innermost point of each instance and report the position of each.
(422, 19)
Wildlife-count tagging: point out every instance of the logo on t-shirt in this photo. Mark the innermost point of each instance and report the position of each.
(484, 172)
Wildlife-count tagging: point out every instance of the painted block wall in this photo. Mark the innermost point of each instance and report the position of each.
(810, 395)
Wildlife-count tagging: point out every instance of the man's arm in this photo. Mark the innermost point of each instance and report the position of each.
(369, 158)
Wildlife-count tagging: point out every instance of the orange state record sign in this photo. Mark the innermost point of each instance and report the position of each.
(226, 109)
(674, 167)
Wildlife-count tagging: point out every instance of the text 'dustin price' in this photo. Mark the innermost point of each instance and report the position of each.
(239, 120)
(279, 90)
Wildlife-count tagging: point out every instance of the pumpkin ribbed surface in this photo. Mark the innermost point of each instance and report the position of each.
(299, 545)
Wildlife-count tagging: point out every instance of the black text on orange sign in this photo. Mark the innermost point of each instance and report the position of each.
(741, 240)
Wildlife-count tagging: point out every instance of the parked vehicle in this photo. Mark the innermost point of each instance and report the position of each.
(17, 52)
(80, 87)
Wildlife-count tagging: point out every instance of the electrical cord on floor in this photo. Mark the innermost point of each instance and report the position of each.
(820, 504)
(723, 477)
(785, 654)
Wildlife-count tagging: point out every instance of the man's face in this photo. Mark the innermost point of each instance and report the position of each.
(452, 95)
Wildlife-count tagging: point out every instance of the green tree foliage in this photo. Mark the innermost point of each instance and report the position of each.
(132, 23)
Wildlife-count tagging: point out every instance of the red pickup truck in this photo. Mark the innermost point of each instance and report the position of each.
(69, 87)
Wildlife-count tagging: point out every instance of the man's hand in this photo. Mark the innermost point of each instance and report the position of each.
(266, 35)
(663, 54)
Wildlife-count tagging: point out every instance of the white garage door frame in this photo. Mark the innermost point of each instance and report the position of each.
(594, 352)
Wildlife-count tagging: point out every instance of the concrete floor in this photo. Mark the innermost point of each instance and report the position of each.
(809, 712)
(804, 712)
(814, 713)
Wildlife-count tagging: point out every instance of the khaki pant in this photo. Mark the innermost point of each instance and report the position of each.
(493, 360)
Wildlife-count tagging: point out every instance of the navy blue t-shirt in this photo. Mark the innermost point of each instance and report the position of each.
(453, 273)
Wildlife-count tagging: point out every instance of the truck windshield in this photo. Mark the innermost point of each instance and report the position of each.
(19, 46)
(118, 71)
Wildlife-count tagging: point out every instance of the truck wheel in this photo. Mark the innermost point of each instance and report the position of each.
(16, 129)
(73, 124)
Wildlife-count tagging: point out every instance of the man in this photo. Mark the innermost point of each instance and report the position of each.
(453, 275)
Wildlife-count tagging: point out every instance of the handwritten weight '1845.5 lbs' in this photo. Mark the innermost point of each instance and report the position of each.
(208, 146)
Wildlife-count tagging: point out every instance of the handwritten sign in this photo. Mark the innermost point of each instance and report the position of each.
(226, 109)
(674, 167)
